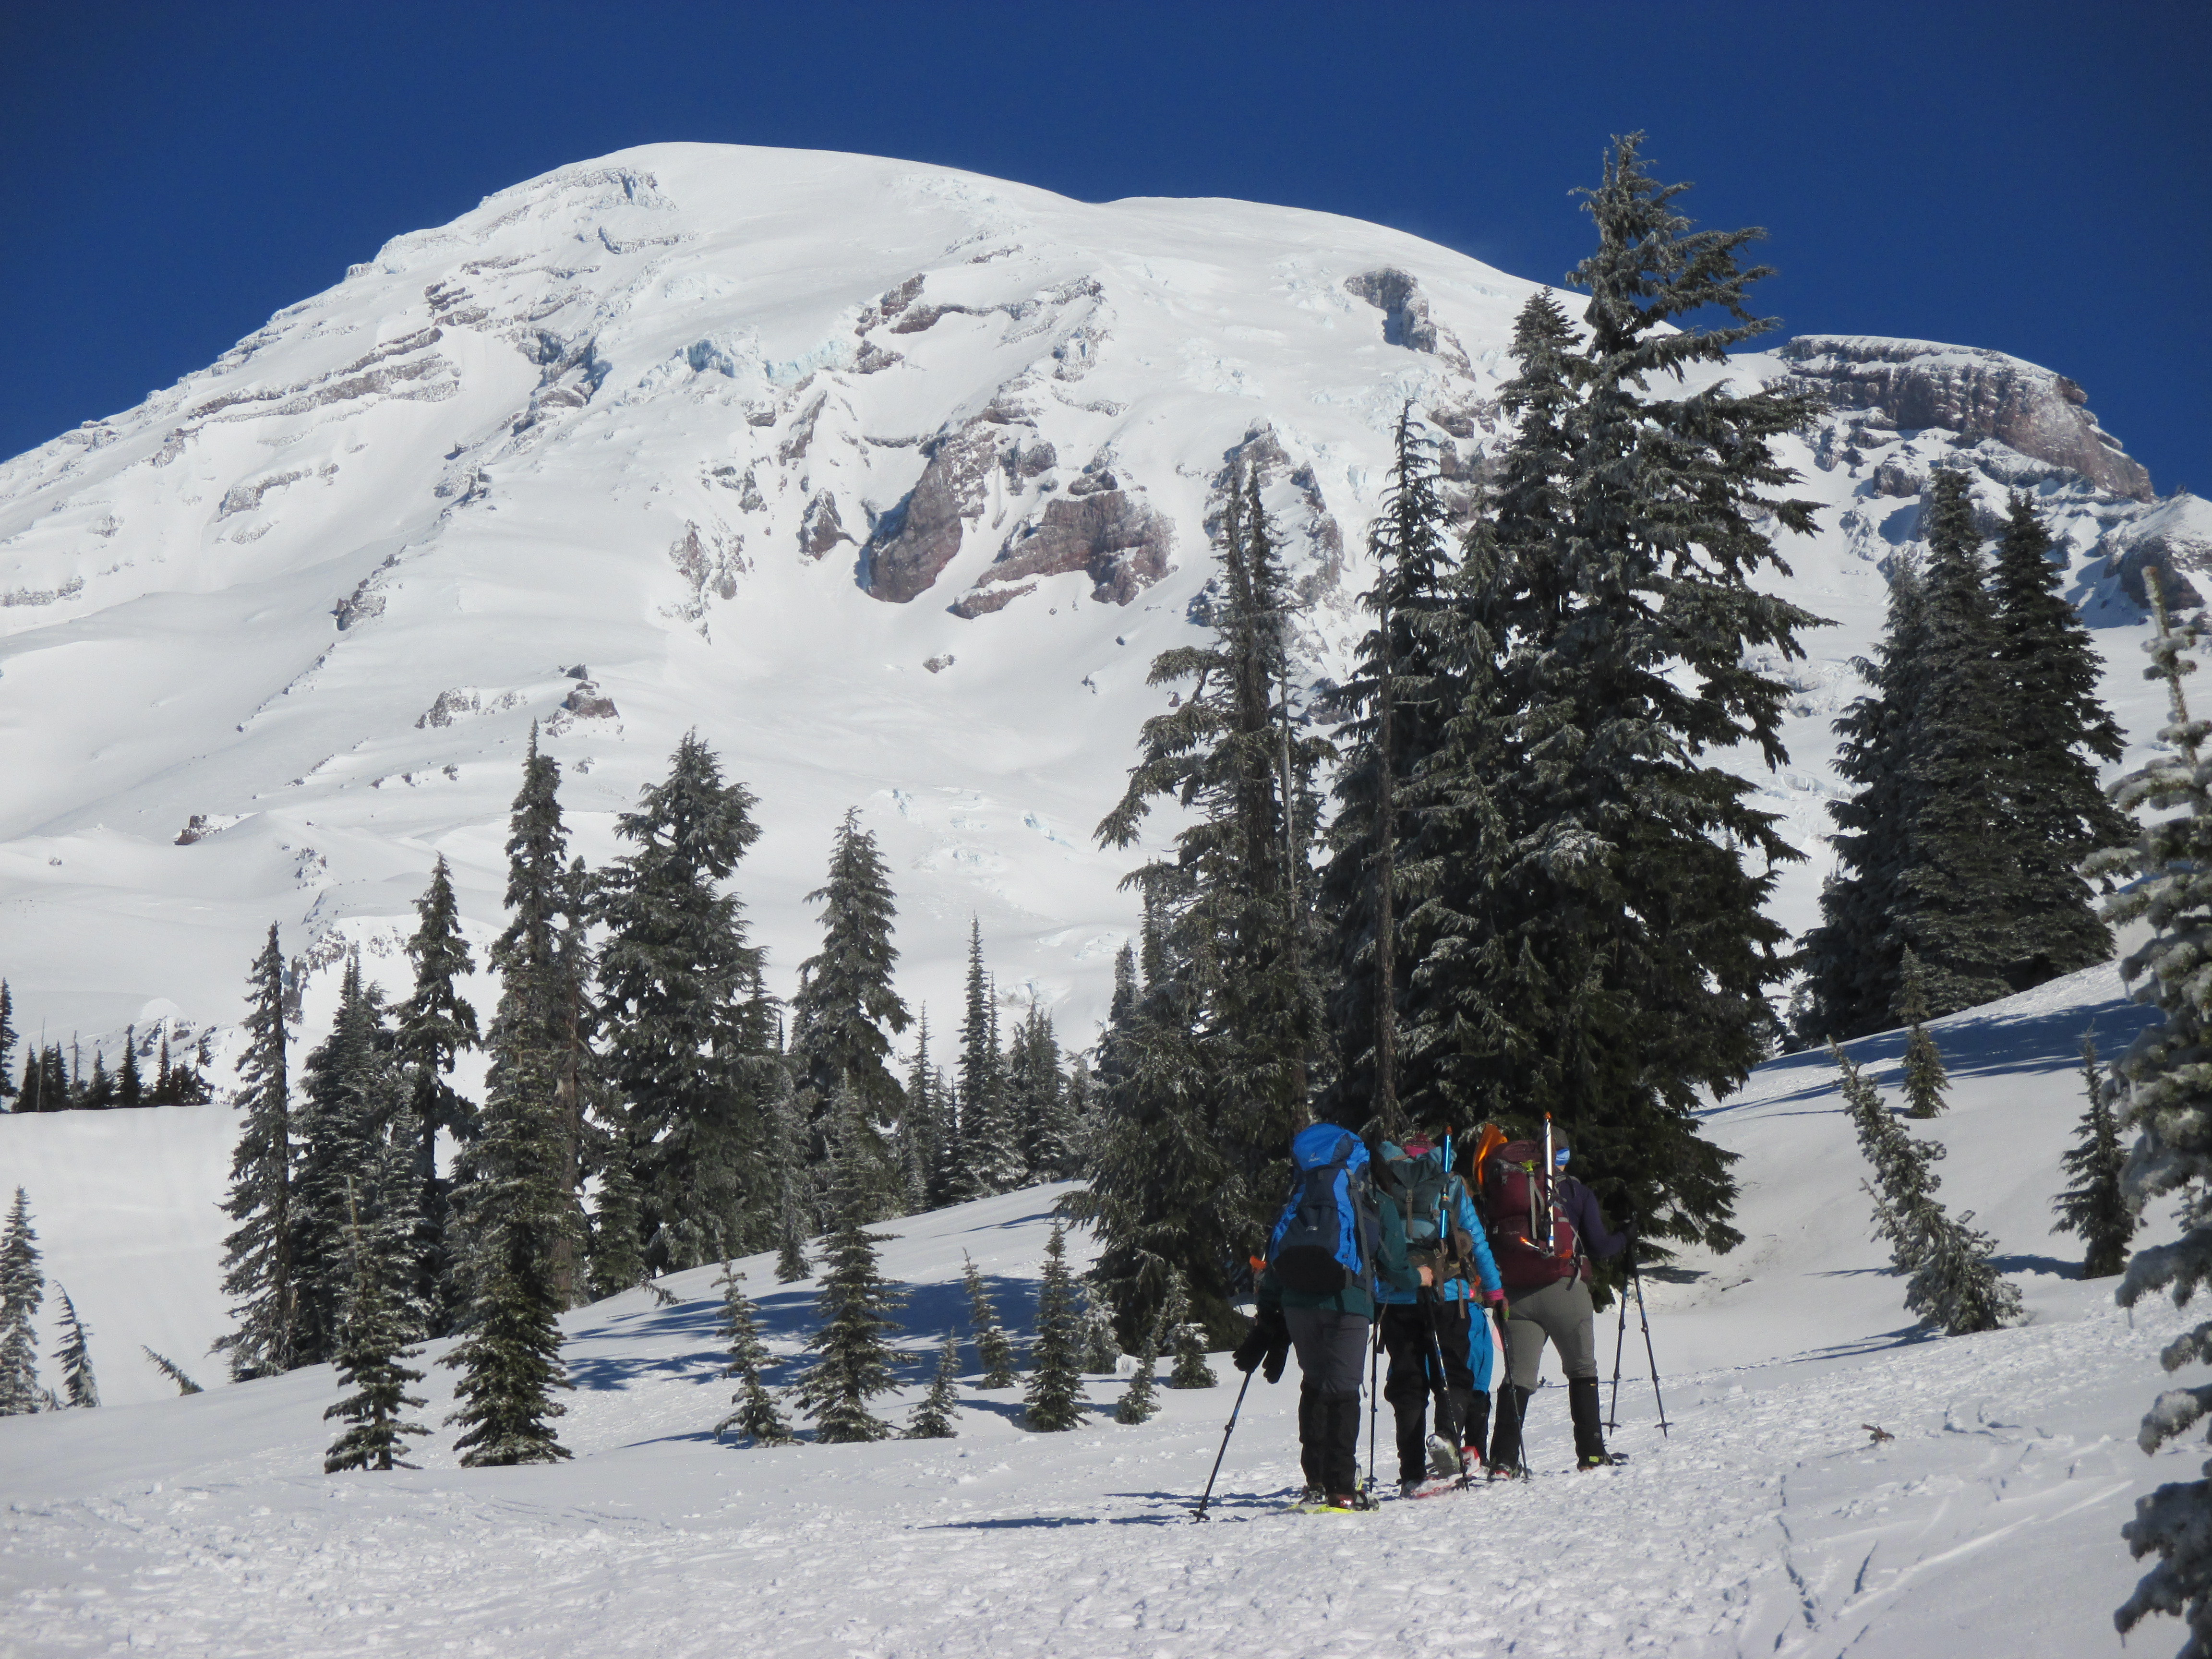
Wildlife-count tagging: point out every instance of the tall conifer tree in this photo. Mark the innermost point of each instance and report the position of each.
(22, 1289)
(853, 1362)
(79, 1385)
(1055, 1396)
(376, 1325)
(688, 1046)
(8, 1089)
(436, 1026)
(2095, 1207)
(258, 1268)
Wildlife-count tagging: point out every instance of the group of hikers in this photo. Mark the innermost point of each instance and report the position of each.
(1392, 1251)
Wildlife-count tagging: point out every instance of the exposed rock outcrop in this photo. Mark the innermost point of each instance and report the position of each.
(821, 528)
(1917, 384)
(1110, 534)
(915, 540)
(1406, 319)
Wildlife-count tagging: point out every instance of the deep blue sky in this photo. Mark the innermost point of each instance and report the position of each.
(2032, 177)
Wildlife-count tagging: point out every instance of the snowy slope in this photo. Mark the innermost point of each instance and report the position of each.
(888, 478)
(1765, 1522)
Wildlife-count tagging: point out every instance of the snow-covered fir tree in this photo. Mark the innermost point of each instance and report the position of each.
(436, 1024)
(1043, 1112)
(79, 1387)
(988, 1154)
(846, 1011)
(1101, 1353)
(258, 1253)
(1139, 1402)
(1950, 1280)
(934, 1417)
(688, 1046)
(99, 1094)
(1186, 1340)
(170, 1368)
(23, 1290)
(377, 1323)
(1055, 1396)
(617, 1255)
(2166, 1100)
(129, 1081)
(1924, 1076)
(7, 1040)
(994, 1349)
(919, 1145)
(853, 1361)
(757, 1420)
(2095, 1207)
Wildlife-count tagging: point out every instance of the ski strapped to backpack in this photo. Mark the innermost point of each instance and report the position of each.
(1421, 1188)
(1326, 1238)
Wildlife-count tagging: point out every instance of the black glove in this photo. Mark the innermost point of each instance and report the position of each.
(1268, 1341)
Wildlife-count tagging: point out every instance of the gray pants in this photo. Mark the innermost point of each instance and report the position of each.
(1561, 1312)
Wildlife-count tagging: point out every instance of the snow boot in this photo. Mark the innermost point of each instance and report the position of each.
(1590, 1424)
(1506, 1439)
(1313, 1440)
(1474, 1407)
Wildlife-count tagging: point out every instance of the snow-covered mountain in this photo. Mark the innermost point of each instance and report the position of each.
(889, 479)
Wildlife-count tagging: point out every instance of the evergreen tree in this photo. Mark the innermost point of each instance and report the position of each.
(1924, 1076)
(129, 1082)
(756, 1417)
(373, 1349)
(170, 1368)
(1101, 1353)
(793, 1189)
(853, 1362)
(164, 1077)
(81, 1388)
(994, 1349)
(436, 1024)
(350, 1094)
(988, 1157)
(617, 1260)
(258, 1268)
(1955, 903)
(515, 1202)
(99, 1094)
(1950, 1280)
(1139, 1402)
(947, 1175)
(22, 1289)
(689, 1047)
(790, 1262)
(1055, 1394)
(920, 1145)
(2095, 1207)
(1187, 1341)
(2167, 1095)
(1044, 1110)
(934, 1419)
(846, 1005)
(8, 1039)
(2057, 727)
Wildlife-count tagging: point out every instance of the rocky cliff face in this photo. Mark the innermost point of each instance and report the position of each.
(1913, 384)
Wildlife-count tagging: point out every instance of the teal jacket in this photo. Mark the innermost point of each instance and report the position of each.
(1392, 1271)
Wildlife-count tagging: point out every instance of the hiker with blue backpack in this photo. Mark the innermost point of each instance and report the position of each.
(1437, 1335)
(1545, 1227)
(1331, 1249)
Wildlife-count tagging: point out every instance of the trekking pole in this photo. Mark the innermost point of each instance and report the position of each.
(1620, 1338)
(1644, 1319)
(1374, 1354)
(1521, 1411)
(1440, 1385)
(1223, 1452)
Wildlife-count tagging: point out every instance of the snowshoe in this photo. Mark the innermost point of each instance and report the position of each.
(1442, 1460)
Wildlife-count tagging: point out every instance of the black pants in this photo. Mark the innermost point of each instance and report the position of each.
(1331, 1348)
(1412, 1382)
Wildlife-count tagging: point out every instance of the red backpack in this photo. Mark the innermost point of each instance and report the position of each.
(1529, 1234)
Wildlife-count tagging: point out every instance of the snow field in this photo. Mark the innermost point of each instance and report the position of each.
(1766, 1520)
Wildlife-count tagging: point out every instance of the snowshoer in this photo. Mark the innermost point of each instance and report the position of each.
(1437, 1338)
(1545, 1226)
(1327, 1254)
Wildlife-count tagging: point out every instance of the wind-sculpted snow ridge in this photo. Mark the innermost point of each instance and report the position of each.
(1768, 1520)
(889, 479)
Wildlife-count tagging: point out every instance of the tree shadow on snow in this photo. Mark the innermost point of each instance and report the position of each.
(2036, 1264)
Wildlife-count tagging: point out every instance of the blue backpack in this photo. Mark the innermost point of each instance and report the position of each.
(1326, 1237)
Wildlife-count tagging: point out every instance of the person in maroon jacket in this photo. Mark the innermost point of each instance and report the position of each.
(1549, 1292)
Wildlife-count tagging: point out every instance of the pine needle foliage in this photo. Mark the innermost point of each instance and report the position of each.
(2168, 1105)
(1950, 1280)
(1924, 1076)
(435, 1025)
(2095, 1206)
(1139, 1402)
(258, 1266)
(79, 1387)
(618, 1256)
(994, 1349)
(757, 1418)
(935, 1417)
(170, 1368)
(1055, 1393)
(853, 1361)
(1187, 1341)
(23, 1290)
(373, 1350)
